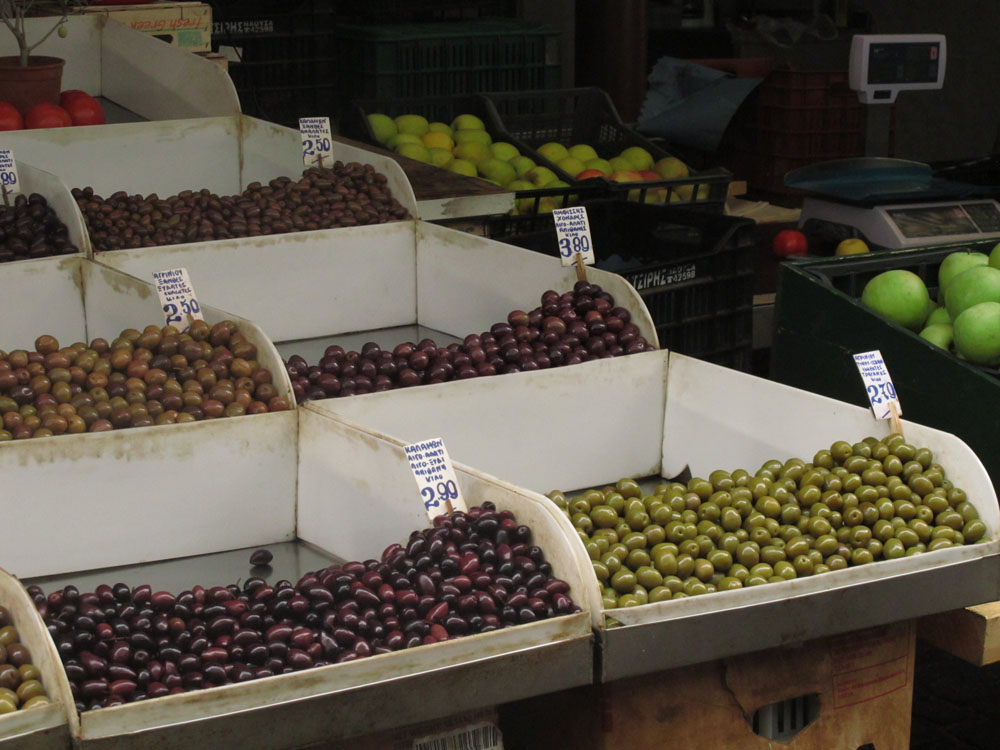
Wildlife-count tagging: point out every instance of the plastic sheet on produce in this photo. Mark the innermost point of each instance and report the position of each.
(690, 104)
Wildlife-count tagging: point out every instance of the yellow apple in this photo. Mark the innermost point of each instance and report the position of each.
(440, 157)
(414, 151)
(640, 157)
(522, 165)
(583, 152)
(412, 124)
(852, 246)
(620, 164)
(540, 176)
(400, 138)
(467, 122)
(505, 151)
(571, 166)
(383, 126)
(554, 152)
(498, 170)
(474, 152)
(471, 136)
(670, 168)
(463, 166)
(439, 127)
(601, 165)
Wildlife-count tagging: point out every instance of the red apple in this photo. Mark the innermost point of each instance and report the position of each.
(648, 174)
(589, 174)
(790, 243)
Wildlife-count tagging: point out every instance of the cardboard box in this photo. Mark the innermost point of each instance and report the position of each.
(858, 688)
(187, 25)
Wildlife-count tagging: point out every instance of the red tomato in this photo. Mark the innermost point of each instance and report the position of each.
(69, 95)
(790, 243)
(10, 118)
(85, 110)
(47, 115)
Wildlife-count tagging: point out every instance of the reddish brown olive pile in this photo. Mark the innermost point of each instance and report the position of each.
(469, 573)
(565, 329)
(155, 376)
(345, 195)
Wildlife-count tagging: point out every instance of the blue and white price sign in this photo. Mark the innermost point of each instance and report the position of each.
(573, 235)
(8, 172)
(435, 477)
(177, 297)
(317, 141)
(878, 384)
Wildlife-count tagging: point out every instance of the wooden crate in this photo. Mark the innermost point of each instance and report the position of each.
(863, 682)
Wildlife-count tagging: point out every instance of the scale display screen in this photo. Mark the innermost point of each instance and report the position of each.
(937, 221)
(907, 62)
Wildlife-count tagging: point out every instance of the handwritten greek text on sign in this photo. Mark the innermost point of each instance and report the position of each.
(435, 477)
(878, 384)
(573, 235)
(177, 297)
(317, 141)
(8, 172)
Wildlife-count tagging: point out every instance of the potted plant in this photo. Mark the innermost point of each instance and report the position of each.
(27, 79)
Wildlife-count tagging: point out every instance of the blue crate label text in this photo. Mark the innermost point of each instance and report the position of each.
(643, 280)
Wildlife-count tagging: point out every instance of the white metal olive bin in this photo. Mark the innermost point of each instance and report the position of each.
(293, 285)
(131, 70)
(41, 727)
(653, 415)
(161, 474)
(355, 497)
(56, 194)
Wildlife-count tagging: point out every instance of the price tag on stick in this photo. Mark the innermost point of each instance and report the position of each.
(576, 246)
(177, 296)
(10, 184)
(317, 141)
(435, 476)
(878, 384)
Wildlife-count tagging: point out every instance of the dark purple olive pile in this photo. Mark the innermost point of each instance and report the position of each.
(30, 229)
(565, 329)
(470, 573)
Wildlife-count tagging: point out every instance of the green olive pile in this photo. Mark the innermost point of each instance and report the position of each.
(853, 505)
(154, 376)
(20, 680)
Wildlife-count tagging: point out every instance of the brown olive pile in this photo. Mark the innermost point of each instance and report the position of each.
(469, 573)
(20, 680)
(852, 505)
(345, 195)
(565, 329)
(154, 376)
(30, 229)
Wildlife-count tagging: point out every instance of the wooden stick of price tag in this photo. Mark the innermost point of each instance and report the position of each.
(435, 477)
(6, 195)
(576, 246)
(880, 389)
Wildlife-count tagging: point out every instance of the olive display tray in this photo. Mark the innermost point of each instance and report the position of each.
(42, 727)
(135, 70)
(34, 180)
(355, 496)
(657, 414)
(89, 485)
(290, 284)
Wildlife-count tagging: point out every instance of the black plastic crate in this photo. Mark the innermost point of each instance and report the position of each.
(693, 269)
(421, 11)
(587, 115)
(438, 59)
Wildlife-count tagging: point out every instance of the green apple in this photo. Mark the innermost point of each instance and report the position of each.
(517, 185)
(571, 166)
(939, 334)
(955, 263)
(498, 170)
(995, 256)
(554, 152)
(970, 287)
(560, 200)
(583, 152)
(412, 124)
(439, 127)
(383, 126)
(467, 122)
(601, 165)
(898, 295)
(541, 176)
(505, 151)
(471, 136)
(474, 152)
(400, 138)
(671, 168)
(938, 315)
(977, 333)
(639, 157)
(414, 151)
(620, 164)
(522, 165)
(463, 166)
(440, 157)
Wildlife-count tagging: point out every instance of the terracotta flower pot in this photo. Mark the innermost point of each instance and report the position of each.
(24, 87)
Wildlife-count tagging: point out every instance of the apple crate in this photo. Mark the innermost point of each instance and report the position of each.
(661, 414)
(349, 495)
(587, 115)
(819, 318)
(693, 270)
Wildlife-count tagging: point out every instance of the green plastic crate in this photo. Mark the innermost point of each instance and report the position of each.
(439, 59)
(820, 322)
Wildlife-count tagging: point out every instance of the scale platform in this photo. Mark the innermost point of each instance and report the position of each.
(894, 203)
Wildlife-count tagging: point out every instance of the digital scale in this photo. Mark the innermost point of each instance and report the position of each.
(893, 203)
